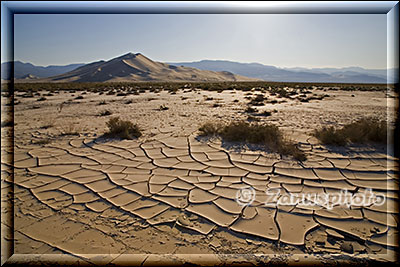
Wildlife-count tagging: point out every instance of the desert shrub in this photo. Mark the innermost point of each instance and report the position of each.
(102, 102)
(210, 129)
(69, 129)
(257, 101)
(163, 107)
(122, 129)
(129, 101)
(250, 110)
(266, 113)
(266, 135)
(28, 95)
(330, 136)
(105, 113)
(259, 98)
(42, 98)
(215, 105)
(236, 100)
(79, 97)
(365, 130)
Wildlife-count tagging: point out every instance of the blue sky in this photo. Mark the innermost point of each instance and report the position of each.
(315, 40)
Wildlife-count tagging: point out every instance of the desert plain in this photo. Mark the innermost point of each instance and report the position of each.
(171, 195)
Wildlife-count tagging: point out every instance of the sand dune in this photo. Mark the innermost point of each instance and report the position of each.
(136, 67)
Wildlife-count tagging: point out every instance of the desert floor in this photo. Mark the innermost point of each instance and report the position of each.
(171, 192)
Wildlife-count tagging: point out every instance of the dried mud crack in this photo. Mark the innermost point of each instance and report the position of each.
(171, 193)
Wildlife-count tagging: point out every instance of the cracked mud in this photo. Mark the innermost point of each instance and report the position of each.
(172, 193)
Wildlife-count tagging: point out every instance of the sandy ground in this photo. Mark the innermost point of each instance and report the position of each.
(173, 194)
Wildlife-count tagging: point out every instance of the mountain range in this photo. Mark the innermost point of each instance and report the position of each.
(137, 67)
(30, 71)
(272, 73)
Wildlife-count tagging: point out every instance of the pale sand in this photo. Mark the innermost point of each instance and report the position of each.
(169, 192)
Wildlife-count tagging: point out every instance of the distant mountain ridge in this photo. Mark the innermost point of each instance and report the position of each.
(23, 70)
(271, 73)
(29, 72)
(138, 68)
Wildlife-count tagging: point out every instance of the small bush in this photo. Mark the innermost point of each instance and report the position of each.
(102, 102)
(362, 131)
(69, 129)
(122, 129)
(266, 135)
(79, 97)
(330, 136)
(105, 113)
(163, 107)
(250, 110)
(210, 129)
(42, 99)
(266, 113)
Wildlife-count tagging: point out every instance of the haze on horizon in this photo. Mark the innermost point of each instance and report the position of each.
(311, 41)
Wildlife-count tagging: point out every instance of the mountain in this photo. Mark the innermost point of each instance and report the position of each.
(22, 70)
(389, 74)
(136, 67)
(271, 73)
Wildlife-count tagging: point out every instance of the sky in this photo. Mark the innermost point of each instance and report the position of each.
(282, 40)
